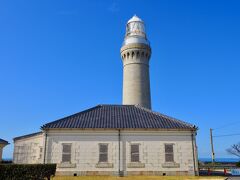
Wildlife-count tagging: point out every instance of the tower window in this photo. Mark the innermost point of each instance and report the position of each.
(138, 54)
(133, 54)
(128, 55)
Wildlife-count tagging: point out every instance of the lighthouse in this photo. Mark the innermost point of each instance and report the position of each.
(135, 54)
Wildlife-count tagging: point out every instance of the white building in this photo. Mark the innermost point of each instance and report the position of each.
(127, 139)
(3, 143)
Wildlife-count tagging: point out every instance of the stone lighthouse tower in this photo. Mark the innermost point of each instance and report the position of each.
(135, 54)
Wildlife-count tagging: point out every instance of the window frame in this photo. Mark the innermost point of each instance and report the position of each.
(67, 153)
(135, 153)
(40, 152)
(169, 153)
(102, 153)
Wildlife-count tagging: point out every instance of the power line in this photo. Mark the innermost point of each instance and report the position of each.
(224, 135)
(227, 125)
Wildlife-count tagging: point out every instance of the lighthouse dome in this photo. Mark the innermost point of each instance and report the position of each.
(135, 32)
(134, 19)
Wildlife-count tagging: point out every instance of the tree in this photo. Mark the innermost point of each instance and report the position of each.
(235, 149)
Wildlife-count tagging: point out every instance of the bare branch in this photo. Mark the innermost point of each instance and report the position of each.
(235, 150)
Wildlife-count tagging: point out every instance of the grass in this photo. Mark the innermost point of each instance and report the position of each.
(138, 178)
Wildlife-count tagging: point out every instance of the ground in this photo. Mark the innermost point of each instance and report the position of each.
(138, 178)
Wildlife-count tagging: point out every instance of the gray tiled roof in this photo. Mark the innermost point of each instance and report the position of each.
(2, 141)
(27, 136)
(119, 117)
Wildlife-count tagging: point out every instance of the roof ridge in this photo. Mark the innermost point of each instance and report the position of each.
(166, 116)
(81, 112)
(116, 105)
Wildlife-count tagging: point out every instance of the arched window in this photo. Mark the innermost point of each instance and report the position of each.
(138, 54)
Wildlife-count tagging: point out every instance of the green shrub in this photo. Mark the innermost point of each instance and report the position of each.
(6, 161)
(238, 164)
(27, 171)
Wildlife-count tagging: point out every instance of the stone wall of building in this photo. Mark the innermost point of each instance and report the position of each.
(85, 152)
(28, 150)
(1, 151)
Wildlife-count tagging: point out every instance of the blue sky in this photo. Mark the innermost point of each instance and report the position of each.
(61, 57)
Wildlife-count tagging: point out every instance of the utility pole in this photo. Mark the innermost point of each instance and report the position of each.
(211, 141)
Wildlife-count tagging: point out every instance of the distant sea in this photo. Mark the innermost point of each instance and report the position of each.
(220, 159)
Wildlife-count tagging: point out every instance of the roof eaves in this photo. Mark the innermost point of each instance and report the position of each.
(2, 141)
(166, 116)
(45, 126)
(27, 136)
(133, 129)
